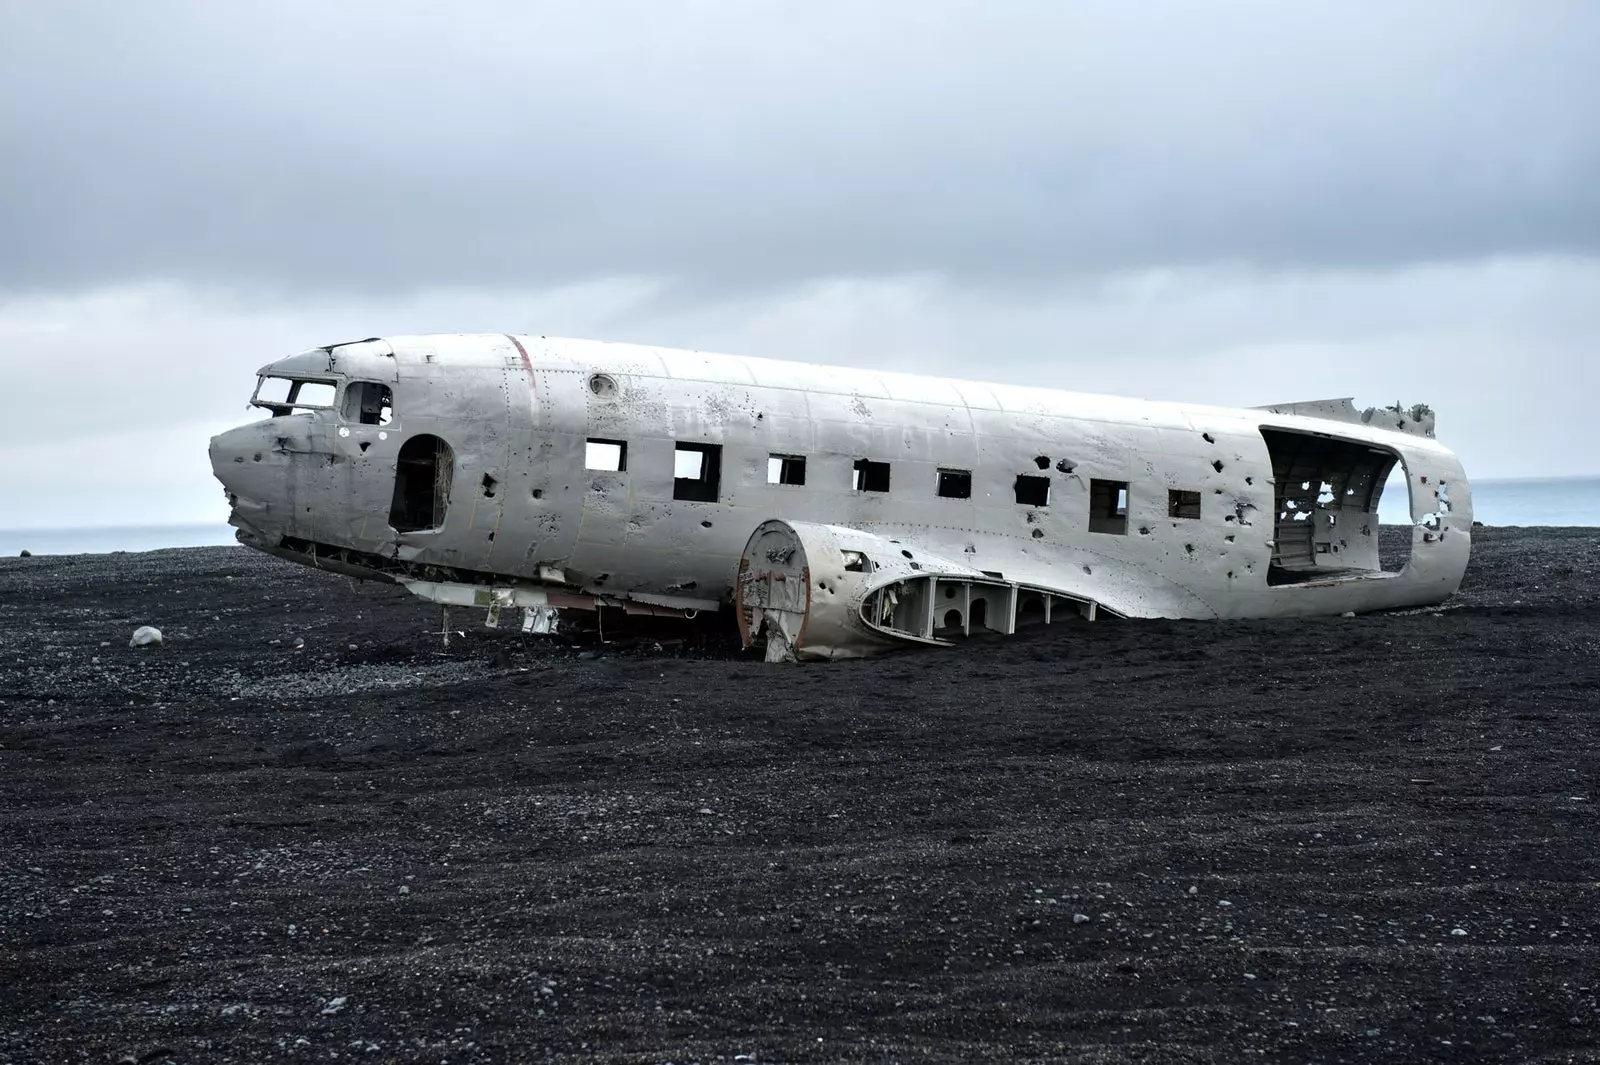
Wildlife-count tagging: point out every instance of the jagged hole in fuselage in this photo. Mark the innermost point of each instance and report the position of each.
(1325, 506)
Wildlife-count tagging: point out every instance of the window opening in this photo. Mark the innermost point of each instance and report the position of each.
(871, 476)
(696, 472)
(368, 403)
(955, 484)
(1183, 504)
(423, 471)
(1032, 490)
(285, 395)
(786, 469)
(609, 455)
(1108, 506)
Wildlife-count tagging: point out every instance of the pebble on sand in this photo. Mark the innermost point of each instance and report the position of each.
(146, 636)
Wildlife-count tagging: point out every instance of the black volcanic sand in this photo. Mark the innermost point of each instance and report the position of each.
(1356, 840)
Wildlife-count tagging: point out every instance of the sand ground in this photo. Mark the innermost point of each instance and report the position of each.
(1338, 840)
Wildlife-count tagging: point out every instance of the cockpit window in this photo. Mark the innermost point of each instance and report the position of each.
(368, 403)
(285, 395)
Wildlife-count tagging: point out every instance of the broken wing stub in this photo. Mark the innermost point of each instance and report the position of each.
(816, 591)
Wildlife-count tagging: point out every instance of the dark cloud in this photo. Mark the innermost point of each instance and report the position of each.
(406, 145)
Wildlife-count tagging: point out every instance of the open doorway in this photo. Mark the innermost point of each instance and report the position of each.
(423, 472)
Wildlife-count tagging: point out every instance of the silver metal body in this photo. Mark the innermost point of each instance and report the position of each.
(460, 466)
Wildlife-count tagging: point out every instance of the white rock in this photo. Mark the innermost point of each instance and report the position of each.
(146, 636)
(1458, 931)
(334, 1005)
(1080, 918)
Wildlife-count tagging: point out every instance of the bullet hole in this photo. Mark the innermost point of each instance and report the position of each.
(538, 493)
(238, 458)
(1064, 466)
(1188, 549)
(364, 445)
(705, 525)
(1208, 438)
(489, 484)
(1230, 574)
(1249, 480)
(760, 415)
(1217, 465)
(904, 552)
(1229, 538)
(602, 578)
(1038, 534)
(1144, 530)
(1043, 462)
(1086, 569)
(258, 456)
(491, 538)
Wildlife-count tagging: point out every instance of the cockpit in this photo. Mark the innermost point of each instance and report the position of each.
(362, 402)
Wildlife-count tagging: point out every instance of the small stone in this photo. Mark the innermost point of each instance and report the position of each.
(1194, 890)
(1224, 902)
(1080, 918)
(705, 810)
(1458, 931)
(334, 1005)
(146, 636)
(25, 553)
(404, 890)
(1348, 614)
(299, 642)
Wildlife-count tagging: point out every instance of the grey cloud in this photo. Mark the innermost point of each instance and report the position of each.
(402, 146)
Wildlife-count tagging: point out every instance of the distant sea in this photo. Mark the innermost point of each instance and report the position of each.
(1541, 501)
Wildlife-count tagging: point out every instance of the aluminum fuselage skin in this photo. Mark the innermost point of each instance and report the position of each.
(517, 413)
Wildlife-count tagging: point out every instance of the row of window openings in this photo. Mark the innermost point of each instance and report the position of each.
(697, 469)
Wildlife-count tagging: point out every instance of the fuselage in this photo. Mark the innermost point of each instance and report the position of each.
(639, 474)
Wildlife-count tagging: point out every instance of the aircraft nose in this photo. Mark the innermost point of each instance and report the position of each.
(237, 460)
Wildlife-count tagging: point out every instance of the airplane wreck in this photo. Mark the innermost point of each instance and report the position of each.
(838, 512)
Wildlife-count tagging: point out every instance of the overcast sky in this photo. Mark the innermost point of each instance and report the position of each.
(1234, 202)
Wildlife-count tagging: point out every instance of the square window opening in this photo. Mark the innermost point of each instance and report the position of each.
(1182, 504)
(606, 455)
(697, 472)
(1032, 490)
(368, 403)
(955, 484)
(786, 469)
(1108, 506)
(870, 476)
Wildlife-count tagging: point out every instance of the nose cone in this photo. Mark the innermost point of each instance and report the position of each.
(240, 460)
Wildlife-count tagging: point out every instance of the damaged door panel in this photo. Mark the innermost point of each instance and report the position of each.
(836, 511)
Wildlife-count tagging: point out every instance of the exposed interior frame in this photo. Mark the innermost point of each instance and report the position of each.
(1326, 494)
